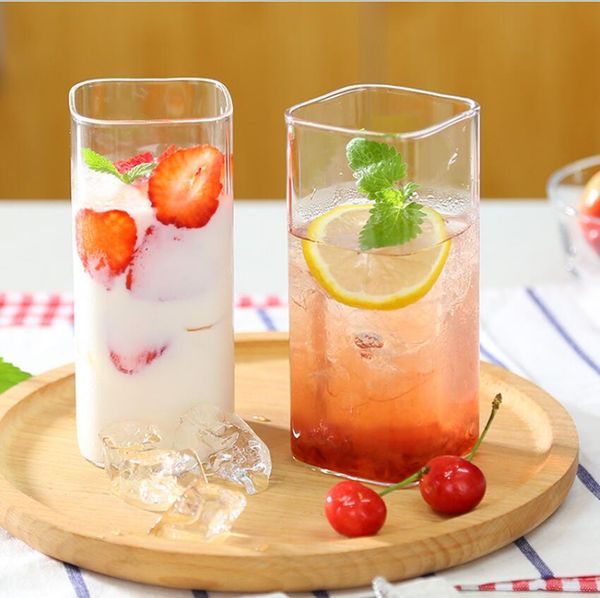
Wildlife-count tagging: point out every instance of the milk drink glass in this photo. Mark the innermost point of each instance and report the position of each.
(152, 251)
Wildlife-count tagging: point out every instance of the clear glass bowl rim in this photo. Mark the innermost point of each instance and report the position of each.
(471, 110)
(558, 175)
(81, 119)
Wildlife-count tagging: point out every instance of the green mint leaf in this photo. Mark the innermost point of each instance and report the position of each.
(138, 171)
(362, 153)
(395, 217)
(409, 190)
(100, 163)
(10, 375)
(374, 178)
(375, 165)
(391, 223)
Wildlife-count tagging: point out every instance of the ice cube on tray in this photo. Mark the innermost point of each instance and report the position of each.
(227, 447)
(205, 510)
(142, 473)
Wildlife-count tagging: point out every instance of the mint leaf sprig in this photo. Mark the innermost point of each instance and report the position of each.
(138, 171)
(395, 217)
(100, 163)
(10, 375)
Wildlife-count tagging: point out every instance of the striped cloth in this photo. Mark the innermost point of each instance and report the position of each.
(48, 309)
(540, 333)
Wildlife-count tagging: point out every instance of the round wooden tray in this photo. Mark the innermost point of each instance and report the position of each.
(60, 504)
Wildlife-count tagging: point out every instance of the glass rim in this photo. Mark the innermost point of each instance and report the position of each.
(81, 119)
(473, 109)
(554, 182)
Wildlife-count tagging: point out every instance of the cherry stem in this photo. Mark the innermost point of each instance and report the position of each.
(415, 477)
(495, 406)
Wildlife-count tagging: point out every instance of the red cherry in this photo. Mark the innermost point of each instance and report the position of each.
(354, 510)
(452, 485)
(448, 484)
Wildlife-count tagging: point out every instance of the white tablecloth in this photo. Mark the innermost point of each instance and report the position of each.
(539, 333)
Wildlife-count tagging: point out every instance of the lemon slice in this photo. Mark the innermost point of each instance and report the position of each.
(386, 278)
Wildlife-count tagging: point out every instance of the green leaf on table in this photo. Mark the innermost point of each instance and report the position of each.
(100, 163)
(10, 375)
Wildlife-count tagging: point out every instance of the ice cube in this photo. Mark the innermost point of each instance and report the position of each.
(367, 342)
(132, 434)
(207, 510)
(104, 191)
(226, 445)
(154, 478)
(142, 473)
(152, 276)
(118, 436)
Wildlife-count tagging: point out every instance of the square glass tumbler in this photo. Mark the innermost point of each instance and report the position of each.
(383, 279)
(152, 251)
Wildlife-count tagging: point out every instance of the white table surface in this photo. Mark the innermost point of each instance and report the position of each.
(519, 245)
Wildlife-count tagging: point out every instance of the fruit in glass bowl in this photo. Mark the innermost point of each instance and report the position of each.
(589, 212)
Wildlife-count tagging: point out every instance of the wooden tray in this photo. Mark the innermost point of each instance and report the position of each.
(61, 505)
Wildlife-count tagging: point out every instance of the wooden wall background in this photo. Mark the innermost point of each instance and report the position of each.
(534, 68)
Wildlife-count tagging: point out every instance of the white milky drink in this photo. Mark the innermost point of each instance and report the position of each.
(152, 257)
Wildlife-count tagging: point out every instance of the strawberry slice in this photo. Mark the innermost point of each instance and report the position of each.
(105, 242)
(184, 187)
(124, 166)
(168, 153)
(132, 364)
(140, 251)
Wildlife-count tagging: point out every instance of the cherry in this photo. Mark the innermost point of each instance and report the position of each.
(354, 510)
(448, 484)
(452, 485)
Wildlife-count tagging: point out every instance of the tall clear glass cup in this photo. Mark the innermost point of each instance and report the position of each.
(152, 251)
(383, 279)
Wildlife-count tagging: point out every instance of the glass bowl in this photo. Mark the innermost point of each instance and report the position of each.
(580, 233)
